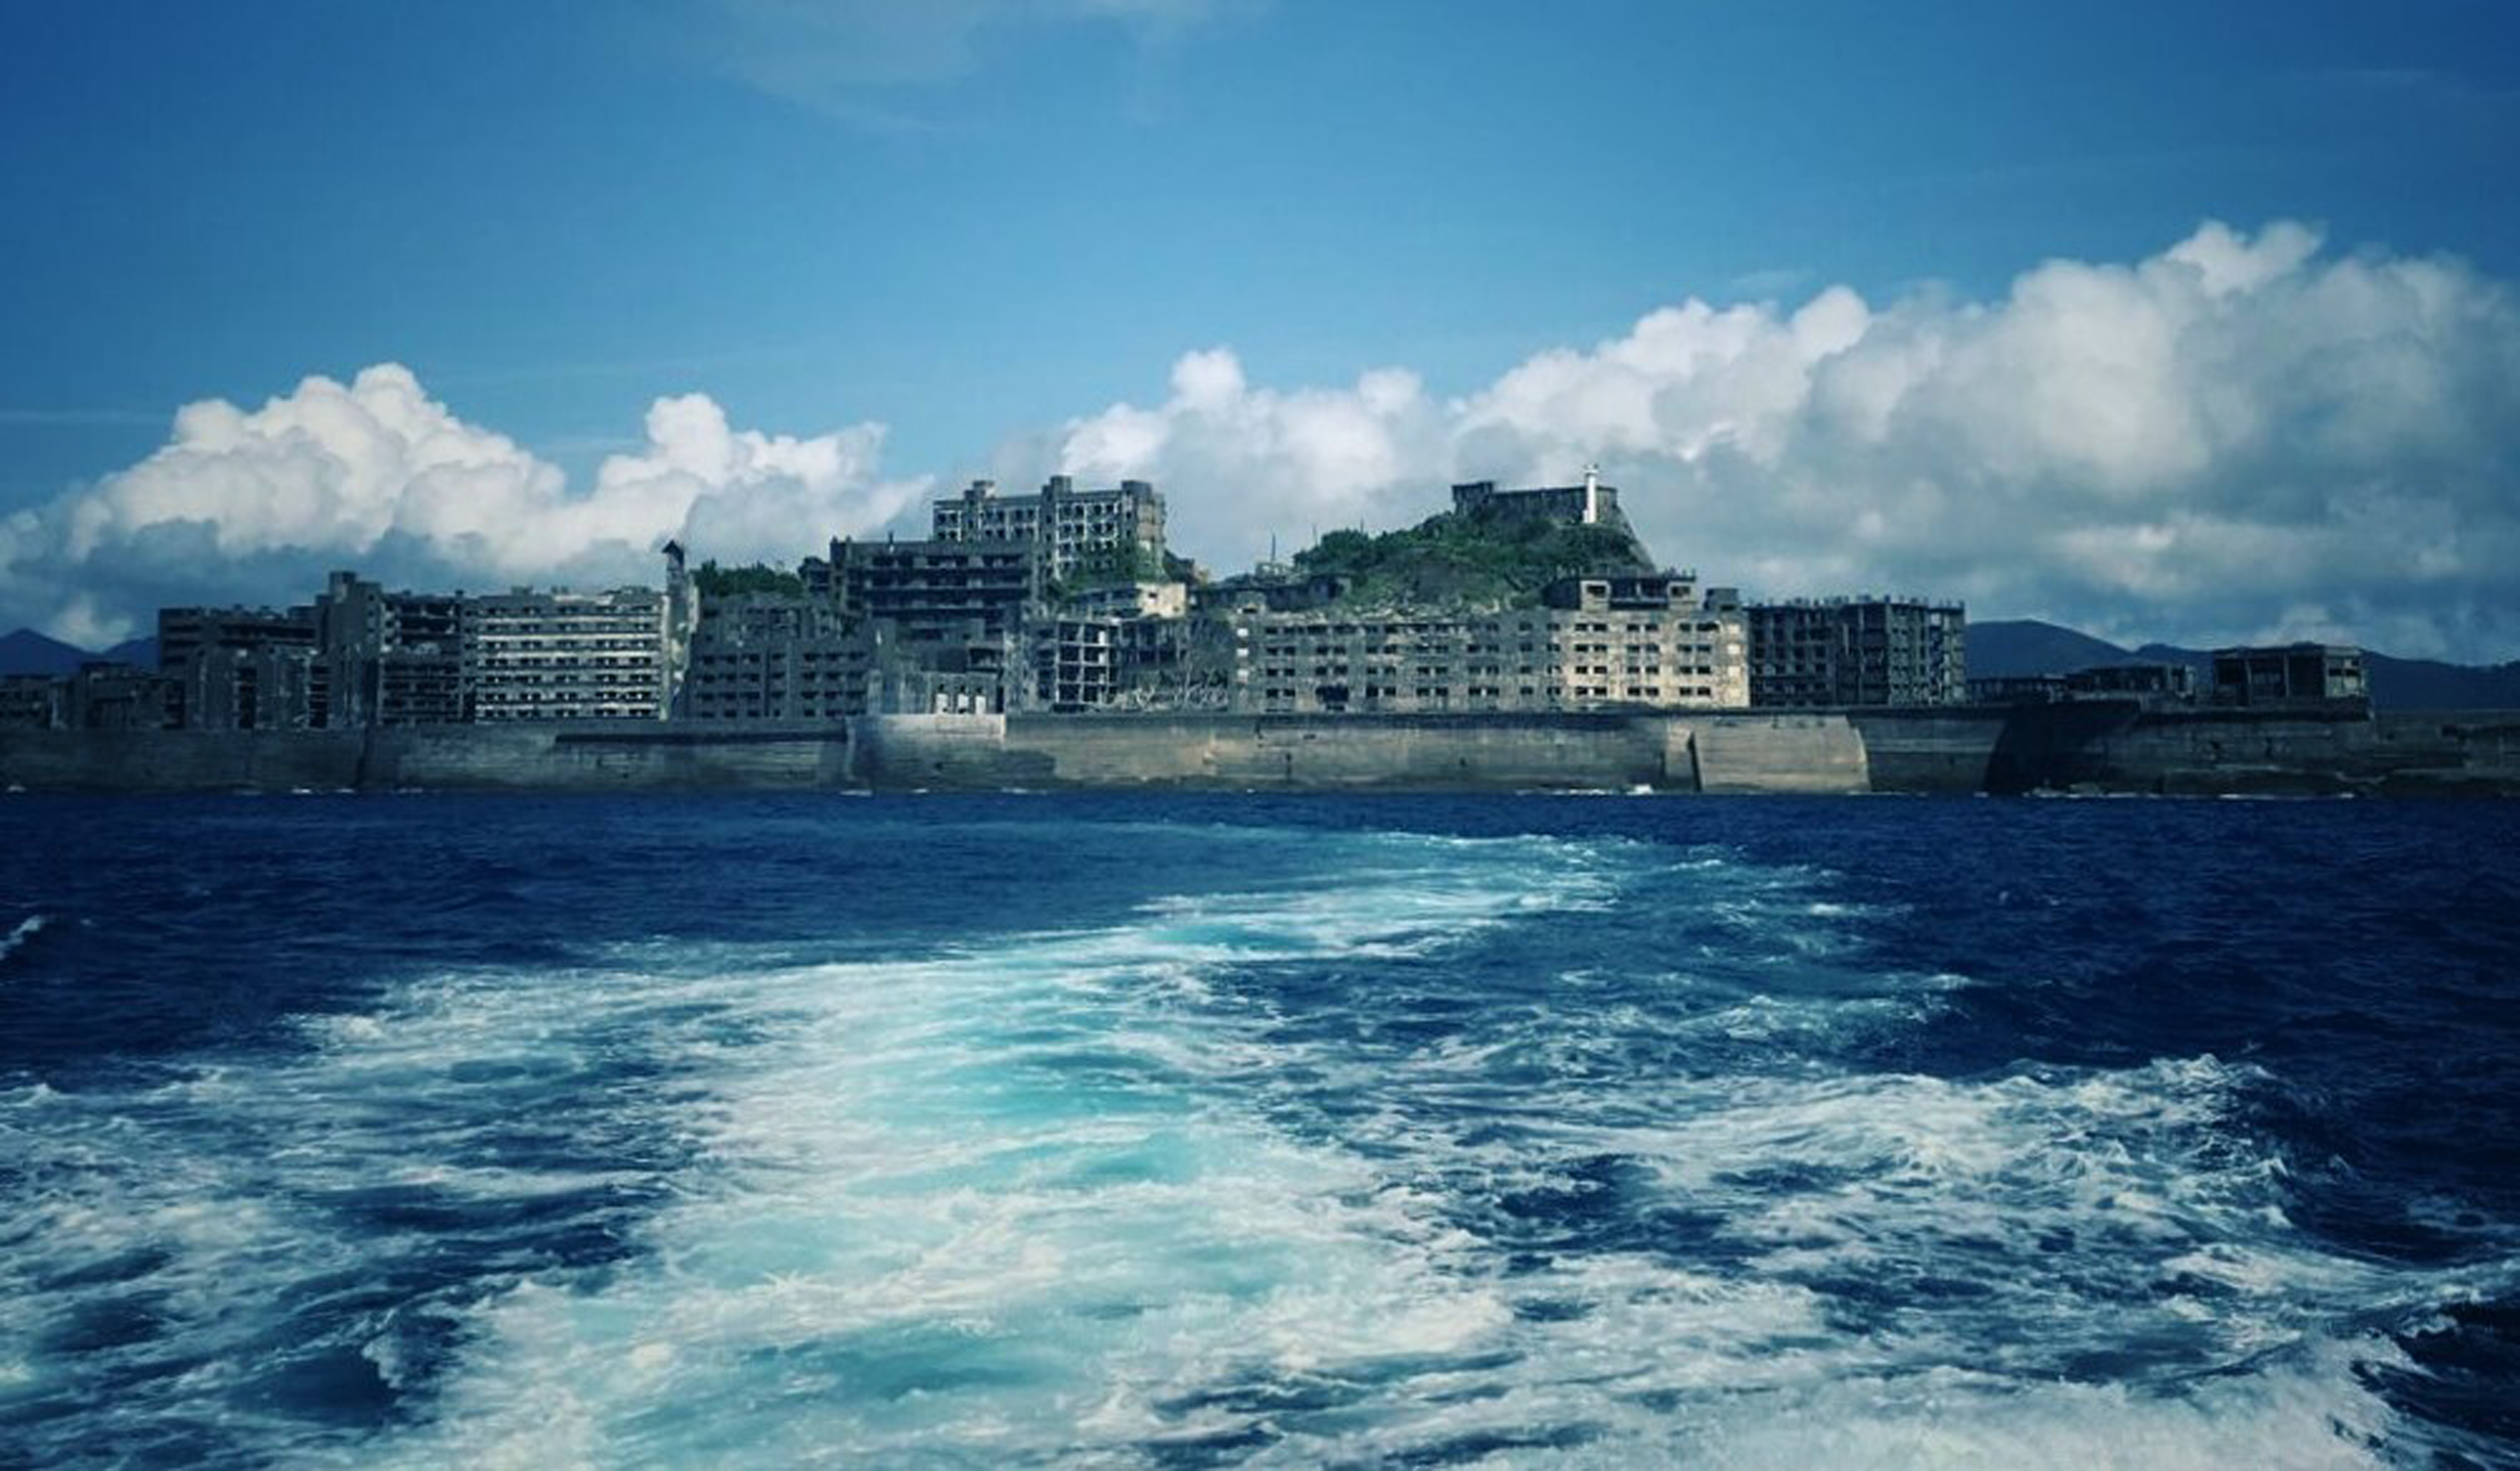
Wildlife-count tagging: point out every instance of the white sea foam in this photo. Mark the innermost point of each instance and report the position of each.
(1087, 1196)
(24, 930)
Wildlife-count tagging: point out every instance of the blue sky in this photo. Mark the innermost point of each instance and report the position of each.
(985, 226)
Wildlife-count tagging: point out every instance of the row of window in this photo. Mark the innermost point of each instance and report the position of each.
(803, 657)
(1285, 698)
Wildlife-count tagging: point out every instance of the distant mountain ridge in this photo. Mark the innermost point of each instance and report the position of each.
(27, 652)
(2005, 648)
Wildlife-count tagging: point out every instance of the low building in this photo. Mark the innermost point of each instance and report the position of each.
(1130, 599)
(2290, 674)
(1276, 589)
(1818, 653)
(566, 655)
(905, 686)
(105, 696)
(1072, 526)
(2152, 683)
(34, 702)
(2018, 689)
(1600, 644)
(1589, 504)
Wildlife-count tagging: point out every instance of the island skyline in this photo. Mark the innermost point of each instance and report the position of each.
(2213, 346)
(1165, 735)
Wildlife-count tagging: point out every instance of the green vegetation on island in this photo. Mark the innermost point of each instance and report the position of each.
(1111, 568)
(714, 581)
(1459, 561)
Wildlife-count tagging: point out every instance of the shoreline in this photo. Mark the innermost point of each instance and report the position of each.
(2085, 749)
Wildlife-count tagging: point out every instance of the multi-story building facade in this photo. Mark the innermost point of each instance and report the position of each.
(933, 592)
(943, 623)
(565, 655)
(1076, 662)
(1837, 651)
(391, 659)
(242, 668)
(1073, 526)
(273, 686)
(184, 633)
(1648, 642)
(771, 657)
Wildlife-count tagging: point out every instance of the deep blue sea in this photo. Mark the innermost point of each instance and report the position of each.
(1186, 1132)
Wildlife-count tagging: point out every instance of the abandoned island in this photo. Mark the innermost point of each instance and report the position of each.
(1523, 640)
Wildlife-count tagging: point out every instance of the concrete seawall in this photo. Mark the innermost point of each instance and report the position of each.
(2279, 752)
(2103, 746)
(442, 758)
(1391, 753)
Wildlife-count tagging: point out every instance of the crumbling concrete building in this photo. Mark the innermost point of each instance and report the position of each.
(774, 656)
(2289, 674)
(1072, 526)
(1630, 643)
(566, 655)
(1835, 653)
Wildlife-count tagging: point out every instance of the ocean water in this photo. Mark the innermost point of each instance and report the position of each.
(1179, 1132)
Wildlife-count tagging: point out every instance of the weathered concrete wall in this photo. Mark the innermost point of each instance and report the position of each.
(606, 756)
(1997, 748)
(943, 752)
(2102, 745)
(590, 756)
(179, 760)
(2283, 751)
(1798, 753)
(2116, 745)
(2464, 750)
(1420, 753)
(1929, 750)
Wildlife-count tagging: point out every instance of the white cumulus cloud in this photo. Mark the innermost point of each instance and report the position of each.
(2245, 436)
(2242, 436)
(1286, 461)
(257, 503)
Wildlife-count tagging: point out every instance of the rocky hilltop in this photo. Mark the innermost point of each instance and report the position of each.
(1459, 559)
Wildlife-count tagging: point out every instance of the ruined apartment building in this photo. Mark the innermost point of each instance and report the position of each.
(773, 657)
(1073, 525)
(1603, 643)
(2289, 674)
(241, 668)
(391, 659)
(562, 655)
(935, 591)
(1815, 653)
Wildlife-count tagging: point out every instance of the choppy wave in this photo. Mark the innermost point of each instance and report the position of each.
(1545, 1151)
(24, 930)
